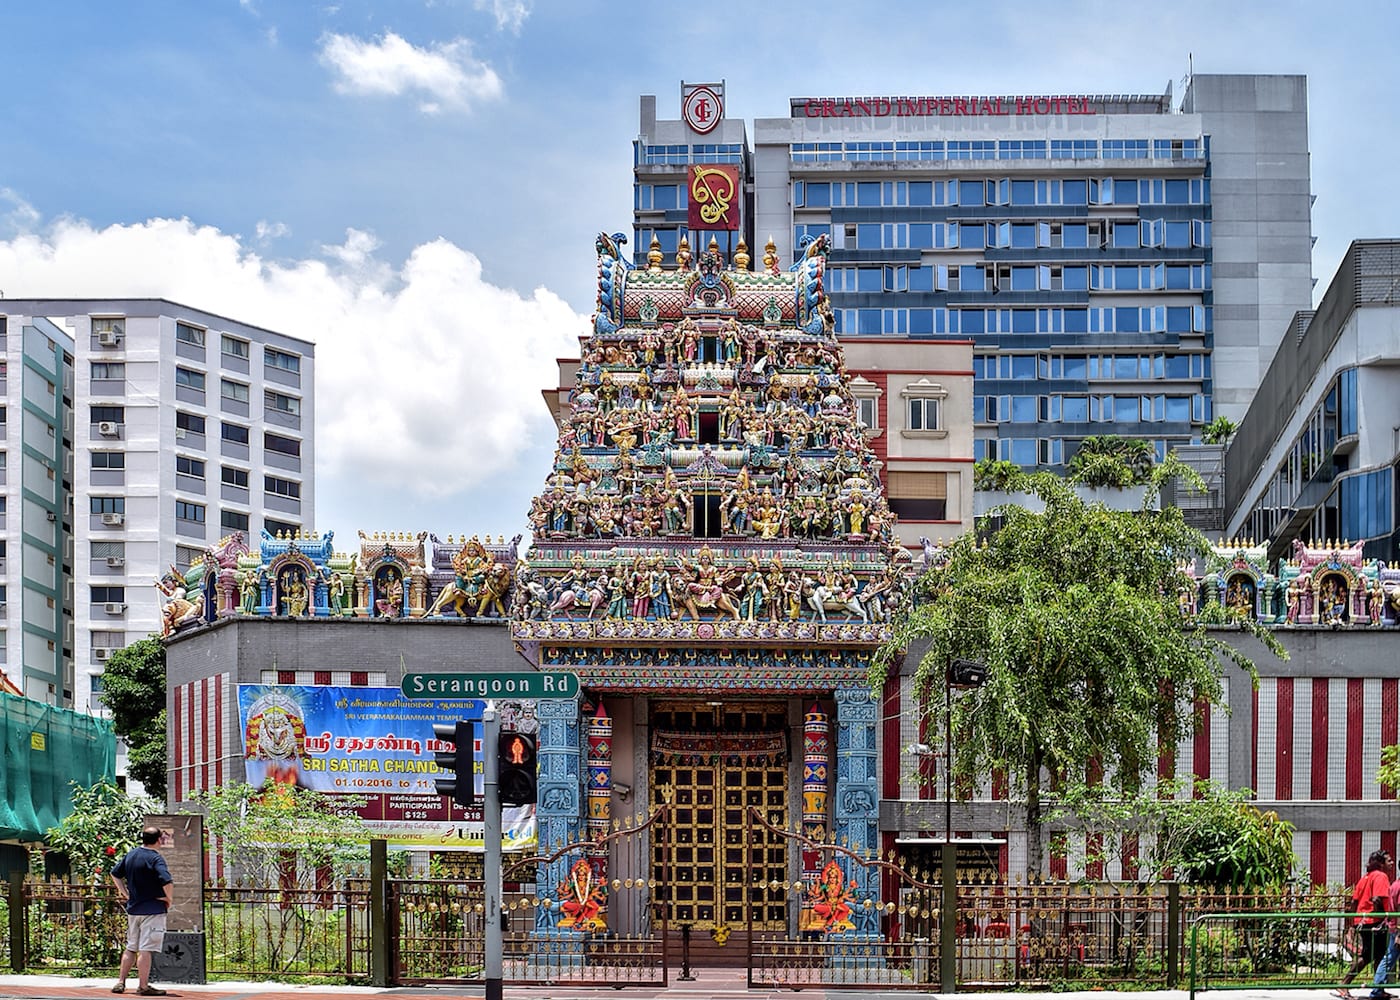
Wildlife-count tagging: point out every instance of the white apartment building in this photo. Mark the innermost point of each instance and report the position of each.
(143, 431)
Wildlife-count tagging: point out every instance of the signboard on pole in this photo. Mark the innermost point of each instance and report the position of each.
(375, 745)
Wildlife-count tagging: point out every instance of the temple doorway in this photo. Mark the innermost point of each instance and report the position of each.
(715, 760)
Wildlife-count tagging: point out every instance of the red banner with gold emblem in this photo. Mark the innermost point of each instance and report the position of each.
(714, 196)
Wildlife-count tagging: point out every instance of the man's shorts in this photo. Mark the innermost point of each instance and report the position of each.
(145, 931)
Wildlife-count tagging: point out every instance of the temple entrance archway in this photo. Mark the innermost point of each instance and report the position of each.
(716, 760)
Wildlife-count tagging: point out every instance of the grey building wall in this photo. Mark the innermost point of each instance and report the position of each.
(1261, 205)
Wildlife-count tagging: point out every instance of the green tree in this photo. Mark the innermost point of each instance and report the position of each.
(105, 823)
(1109, 460)
(299, 842)
(1089, 661)
(1213, 836)
(1219, 431)
(271, 834)
(133, 688)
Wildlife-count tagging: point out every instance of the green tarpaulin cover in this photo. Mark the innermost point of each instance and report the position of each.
(46, 750)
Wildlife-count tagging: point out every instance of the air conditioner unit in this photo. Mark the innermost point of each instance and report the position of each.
(108, 338)
(100, 652)
(3, 605)
(112, 517)
(51, 515)
(114, 607)
(116, 561)
(108, 428)
(180, 433)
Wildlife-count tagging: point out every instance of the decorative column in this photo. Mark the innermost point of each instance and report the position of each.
(599, 792)
(816, 784)
(558, 810)
(858, 801)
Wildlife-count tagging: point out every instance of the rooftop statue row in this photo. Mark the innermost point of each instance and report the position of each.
(301, 576)
(1330, 584)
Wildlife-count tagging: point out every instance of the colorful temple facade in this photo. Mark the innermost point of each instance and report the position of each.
(713, 555)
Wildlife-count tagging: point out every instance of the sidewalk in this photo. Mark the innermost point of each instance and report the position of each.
(710, 984)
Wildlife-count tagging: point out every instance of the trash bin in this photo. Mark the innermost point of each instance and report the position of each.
(181, 958)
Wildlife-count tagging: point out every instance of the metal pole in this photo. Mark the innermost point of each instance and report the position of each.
(948, 855)
(378, 912)
(491, 816)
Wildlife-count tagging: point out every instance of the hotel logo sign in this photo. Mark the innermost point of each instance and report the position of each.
(714, 196)
(702, 106)
(927, 107)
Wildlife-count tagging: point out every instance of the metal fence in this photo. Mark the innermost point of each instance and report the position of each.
(1010, 934)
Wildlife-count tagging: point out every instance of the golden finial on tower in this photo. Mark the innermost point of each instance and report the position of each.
(770, 256)
(683, 254)
(654, 254)
(741, 255)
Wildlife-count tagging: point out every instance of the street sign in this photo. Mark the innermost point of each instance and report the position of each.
(519, 685)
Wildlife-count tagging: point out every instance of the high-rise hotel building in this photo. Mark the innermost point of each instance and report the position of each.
(137, 432)
(1122, 264)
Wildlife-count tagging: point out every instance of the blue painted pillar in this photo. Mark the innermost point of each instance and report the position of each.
(559, 805)
(858, 800)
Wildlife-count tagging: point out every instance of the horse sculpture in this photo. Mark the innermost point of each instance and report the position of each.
(594, 595)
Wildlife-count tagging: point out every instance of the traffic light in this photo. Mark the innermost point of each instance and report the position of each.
(462, 786)
(515, 771)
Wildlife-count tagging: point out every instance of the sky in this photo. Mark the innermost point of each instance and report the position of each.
(415, 185)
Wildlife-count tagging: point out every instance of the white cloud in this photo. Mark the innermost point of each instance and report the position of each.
(428, 377)
(16, 214)
(269, 231)
(510, 14)
(445, 75)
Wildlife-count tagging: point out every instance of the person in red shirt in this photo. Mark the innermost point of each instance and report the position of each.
(1370, 900)
(1392, 951)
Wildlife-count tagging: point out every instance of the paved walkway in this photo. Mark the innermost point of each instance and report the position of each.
(710, 984)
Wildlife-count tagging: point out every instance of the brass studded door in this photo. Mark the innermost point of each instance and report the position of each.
(716, 760)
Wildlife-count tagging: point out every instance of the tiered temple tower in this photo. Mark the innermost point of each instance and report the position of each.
(714, 556)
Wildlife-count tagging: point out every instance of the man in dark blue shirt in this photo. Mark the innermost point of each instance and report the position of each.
(143, 883)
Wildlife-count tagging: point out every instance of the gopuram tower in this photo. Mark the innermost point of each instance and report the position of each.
(714, 557)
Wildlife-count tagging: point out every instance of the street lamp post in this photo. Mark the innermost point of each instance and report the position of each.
(961, 674)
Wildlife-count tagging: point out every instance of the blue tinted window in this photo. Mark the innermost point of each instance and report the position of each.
(1076, 279)
(1076, 366)
(1023, 279)
(973, 321)
(1125, 276)
(1023, 321)
(869, 279)
(1076, 193)
(921, 235)
(1076, 321)
(1023, 409)
(1023, 366)
(1178, 192)
(1074, 409)
(1178, 277)
(868, 194)
(1126, 319)
(972, 193)
(868, 322)
(1125, 366)
(1178, 320)
(920, 193)
(1178, 409)
(818, 195)
(921, 279)
(1178, 235)
(1023, 192)
(1125, 409)
(972, 236)
(1346, 416)
(1023, 451)
(920, 320)
(1177, 365)
(665, 196)
(972, 278)
(1076, 235)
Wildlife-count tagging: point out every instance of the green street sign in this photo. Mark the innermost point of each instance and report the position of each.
(519, 685)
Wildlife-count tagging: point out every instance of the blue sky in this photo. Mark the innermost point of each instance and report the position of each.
(415, 185)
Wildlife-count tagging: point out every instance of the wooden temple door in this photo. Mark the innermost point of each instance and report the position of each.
(715, 761)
